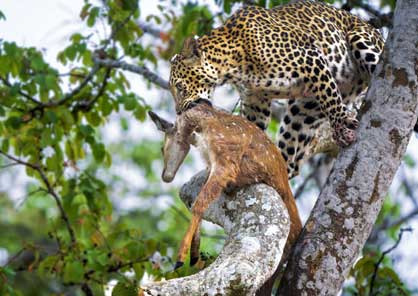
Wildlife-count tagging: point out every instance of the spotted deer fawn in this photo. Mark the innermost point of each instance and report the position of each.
(237, 153)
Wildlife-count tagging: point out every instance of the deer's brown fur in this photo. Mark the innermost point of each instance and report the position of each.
(237, 153)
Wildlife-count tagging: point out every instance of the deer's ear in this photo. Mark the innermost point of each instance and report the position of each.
(162, 124)
(190, 51)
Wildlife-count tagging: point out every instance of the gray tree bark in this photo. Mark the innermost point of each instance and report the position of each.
(352, 197)
(257, 224)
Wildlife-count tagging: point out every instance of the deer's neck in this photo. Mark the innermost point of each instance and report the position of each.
(201, 143)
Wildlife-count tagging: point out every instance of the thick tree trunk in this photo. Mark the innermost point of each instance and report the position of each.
(352, 197)
(257, 224)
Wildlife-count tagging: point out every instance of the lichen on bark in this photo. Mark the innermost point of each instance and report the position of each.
(257, 224)
(354, 192)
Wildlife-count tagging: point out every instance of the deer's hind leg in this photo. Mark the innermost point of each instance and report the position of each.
(211, 191)
(195, 247)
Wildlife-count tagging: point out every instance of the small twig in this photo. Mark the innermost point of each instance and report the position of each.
(15, 256)
(115, 31)
(408, 187)
(19, 161)
(402, 220)
(77, 90)
(121, 265)
(141, 70)
(5, 166)
(86, 105)
(237, 103)
(153, 31)
(50, 190)
(376, 266)
(20, 92)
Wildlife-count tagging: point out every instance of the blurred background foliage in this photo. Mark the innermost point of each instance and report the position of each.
(94, 215)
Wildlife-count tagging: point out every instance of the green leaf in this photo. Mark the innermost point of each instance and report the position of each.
(86, 130)
(389, 274)
(140, 113)
(130, 103)
(5, 144)
(73, 272)
(14, 122)
(51, 117)
(98, 151)
(2, 16)
(409, 161)
(139, 271)
(93, 118)
(37, 63)
(125, 289)
(91, 20)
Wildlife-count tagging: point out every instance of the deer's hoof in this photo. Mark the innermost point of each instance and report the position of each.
(178, 265)
(193, 260)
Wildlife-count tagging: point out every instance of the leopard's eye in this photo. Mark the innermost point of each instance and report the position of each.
(179, 86)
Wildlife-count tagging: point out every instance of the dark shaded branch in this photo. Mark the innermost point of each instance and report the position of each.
(120, 265)
(377, 264)
(408, 188)
(50, 190)
(8, 165)
(141, 70)
(378, 21)
(401, 220)
(153, 31)
(87, 290)
(75, 91)
(86, 105)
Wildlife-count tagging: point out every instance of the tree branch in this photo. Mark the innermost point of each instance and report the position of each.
(141, 70)
(257, 224)
(86, 105)
(376, 266)
(153, 31)
(350, 201)
(50, 190)
(380, 19)
(20, 92)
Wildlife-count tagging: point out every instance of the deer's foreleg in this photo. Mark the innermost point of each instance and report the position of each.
(211, 190)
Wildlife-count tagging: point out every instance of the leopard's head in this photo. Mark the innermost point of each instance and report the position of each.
(191, 78)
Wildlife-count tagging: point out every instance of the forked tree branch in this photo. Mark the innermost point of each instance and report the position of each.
(49, 189)
(257, 224)
(350, 201)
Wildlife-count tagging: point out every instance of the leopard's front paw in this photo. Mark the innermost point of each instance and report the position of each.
(351, 123)
(343, 135)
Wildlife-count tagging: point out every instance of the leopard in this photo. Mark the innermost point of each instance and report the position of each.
(317, 56)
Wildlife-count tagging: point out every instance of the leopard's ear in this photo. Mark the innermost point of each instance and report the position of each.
(190, 51)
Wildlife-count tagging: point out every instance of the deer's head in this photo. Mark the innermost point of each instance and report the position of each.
(175, 147)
